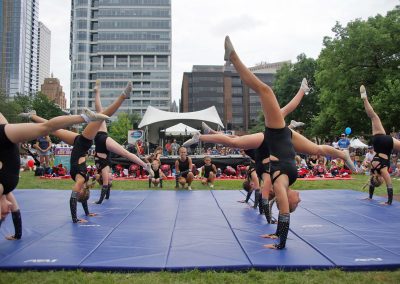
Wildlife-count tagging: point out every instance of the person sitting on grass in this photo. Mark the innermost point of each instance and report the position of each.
(183, 168)
(158, 175)
(209, 172)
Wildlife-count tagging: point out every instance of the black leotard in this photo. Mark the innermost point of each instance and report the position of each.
(10, 159)
(81, 147)
(383, 144)
(281, 147)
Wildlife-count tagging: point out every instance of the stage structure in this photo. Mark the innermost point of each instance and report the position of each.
(156, 121)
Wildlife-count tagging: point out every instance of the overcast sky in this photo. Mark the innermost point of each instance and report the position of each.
(261, 30)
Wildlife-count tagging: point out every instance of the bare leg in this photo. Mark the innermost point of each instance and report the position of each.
(99, 107)
(18, 132)
(211, 178)
(377, 127)
(292, 105)
(189, 178)
(93, 127)
(64, 135)
(271, 109)
(396, 144)
(116, 148)
(3, 120)
(252, 141)
(303, 145)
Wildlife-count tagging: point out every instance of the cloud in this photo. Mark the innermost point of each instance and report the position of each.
(241, 23)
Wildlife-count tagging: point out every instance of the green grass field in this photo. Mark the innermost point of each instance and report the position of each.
(28, 181)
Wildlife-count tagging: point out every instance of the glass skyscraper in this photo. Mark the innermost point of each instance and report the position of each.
(19, 28)
(118, 41)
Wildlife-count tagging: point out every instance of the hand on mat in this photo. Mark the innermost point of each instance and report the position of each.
(82, 221)
(270, 246)
(269, 236)
(11, 238)
(93, 214)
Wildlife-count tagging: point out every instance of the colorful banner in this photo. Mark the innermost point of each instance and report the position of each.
(135, 135)
(62, 155)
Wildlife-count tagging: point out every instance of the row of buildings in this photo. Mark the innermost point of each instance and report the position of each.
(116, 41)
(25, 46)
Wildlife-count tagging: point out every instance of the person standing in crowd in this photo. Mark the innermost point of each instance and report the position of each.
(168, 148)
(174, 148)
(344, 142)
(43, 146)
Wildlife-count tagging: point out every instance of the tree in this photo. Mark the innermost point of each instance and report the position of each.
(45, 107)
(119, 128)
(9, 108)
(363, 52)
(287, 84)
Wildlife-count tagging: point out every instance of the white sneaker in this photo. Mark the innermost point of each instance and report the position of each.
(206, 129)
(211, 186)
(97, 85)
(89, 115)
(189, 188)
(194, 140)
(294, 124)
(228, 48)
(304, 86)
(128, 90)
(27, 114)
(363, 92)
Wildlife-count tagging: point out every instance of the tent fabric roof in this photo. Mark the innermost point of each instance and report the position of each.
(180, 128)
(156, 120)
(356, 143)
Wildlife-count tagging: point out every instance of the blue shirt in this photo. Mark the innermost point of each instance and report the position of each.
(344, 143)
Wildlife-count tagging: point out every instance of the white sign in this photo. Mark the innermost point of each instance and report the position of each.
(135, 135)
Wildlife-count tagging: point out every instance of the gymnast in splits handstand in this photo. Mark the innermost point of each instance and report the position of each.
(81, 144)
(104, 145)
(10, 136)
(256, 150)
(383, 145)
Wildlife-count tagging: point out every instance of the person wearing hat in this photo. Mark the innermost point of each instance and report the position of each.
(344, 142)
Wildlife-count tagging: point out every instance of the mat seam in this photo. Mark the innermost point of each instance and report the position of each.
(230, 226)
(111, 231)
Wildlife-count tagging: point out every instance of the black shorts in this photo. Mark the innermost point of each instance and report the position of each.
(80, 169)
(379, 163)
(101, 163)
(10, 159)
(262, 168)
(284, 168)
(184, 175)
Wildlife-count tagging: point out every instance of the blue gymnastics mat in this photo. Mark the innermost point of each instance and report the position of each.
(153, 230)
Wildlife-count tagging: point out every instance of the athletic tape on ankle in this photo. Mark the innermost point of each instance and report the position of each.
(390, 195)
(16, 217)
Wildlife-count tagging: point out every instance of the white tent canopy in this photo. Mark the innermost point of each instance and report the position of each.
(180, 129)
(356, 143)
(156, 120)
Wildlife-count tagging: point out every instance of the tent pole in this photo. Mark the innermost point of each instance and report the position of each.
(147, 140)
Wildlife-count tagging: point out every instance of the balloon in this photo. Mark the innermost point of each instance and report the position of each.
(30, 163)
(347, 130)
